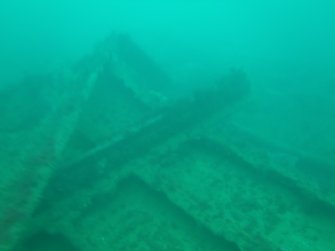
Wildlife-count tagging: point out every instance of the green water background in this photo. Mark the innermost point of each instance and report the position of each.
(287, 49)
(278, 43)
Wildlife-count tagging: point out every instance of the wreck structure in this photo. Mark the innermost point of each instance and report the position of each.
(102, 157)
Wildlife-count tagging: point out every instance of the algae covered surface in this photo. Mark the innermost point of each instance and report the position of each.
(145, 126)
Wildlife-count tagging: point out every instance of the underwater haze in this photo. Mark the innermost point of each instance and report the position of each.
(279, 42)
(167, 125)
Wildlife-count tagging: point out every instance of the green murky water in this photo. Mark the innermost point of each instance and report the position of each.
(171, 125)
